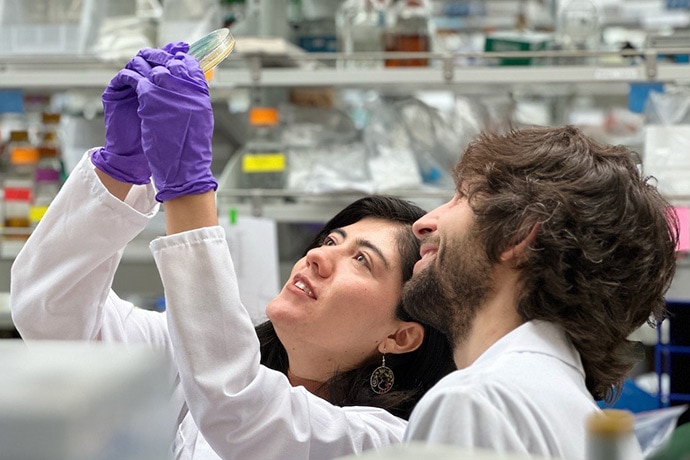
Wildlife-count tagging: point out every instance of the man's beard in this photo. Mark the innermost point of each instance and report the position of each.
(448, 292)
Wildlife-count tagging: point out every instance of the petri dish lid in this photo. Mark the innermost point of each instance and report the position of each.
(211, 49)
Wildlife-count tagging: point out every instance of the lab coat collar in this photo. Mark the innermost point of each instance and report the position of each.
(534, 337)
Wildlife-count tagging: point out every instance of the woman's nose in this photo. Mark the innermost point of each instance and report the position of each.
(320, 259)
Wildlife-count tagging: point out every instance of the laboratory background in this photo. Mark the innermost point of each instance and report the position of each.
(324, 101)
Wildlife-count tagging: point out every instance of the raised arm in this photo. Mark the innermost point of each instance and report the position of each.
(60, 286)
(61, 279)
(242, 408)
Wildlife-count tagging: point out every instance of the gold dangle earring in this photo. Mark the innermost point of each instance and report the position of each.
(382, 378)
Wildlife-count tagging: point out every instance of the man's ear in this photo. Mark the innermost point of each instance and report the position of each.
(516, 253)
(407, 338)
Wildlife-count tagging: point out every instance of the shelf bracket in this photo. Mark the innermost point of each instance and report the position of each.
(651, 63)
(448, 68)
(257, 204)
(254, 64)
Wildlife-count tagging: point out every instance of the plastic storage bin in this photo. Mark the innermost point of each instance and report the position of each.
(49, 26)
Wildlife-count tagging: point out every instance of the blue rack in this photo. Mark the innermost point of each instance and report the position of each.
(668, 353)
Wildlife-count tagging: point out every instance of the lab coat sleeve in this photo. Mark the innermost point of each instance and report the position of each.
(243, 409)
(61, 279)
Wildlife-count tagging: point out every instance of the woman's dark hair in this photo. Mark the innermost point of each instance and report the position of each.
(604, 251)
(415, 372)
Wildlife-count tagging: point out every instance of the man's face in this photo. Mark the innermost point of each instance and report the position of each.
(453, 277)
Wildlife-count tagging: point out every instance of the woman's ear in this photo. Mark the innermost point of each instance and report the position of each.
(408, 337)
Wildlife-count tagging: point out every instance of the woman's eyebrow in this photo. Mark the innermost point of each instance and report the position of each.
(375, 249)
(361, 242)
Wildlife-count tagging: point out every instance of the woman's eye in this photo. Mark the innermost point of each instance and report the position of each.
(362, 259)
(328, 241)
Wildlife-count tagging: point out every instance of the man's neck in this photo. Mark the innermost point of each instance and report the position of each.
(494, 319)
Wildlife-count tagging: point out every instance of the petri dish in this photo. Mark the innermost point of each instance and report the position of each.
(211, 49)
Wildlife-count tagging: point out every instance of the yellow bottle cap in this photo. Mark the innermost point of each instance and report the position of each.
(611, 422)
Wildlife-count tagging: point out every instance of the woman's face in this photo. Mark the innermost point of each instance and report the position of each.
(339, 302)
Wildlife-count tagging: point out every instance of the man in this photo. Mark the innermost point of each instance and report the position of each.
(552, 251)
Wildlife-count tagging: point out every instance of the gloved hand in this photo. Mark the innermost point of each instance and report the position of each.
(176, 127)
(122, 157)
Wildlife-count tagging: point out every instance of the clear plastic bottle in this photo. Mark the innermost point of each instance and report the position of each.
(611, 436)
(263, 161)
(579, 28)
(18, 184)
(409, 29)
(360, 25)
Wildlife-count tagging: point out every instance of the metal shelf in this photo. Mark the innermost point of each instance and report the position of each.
(288, 206)
(321, 69)
(447, 72)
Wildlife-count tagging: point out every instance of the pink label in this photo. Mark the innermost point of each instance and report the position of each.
(683, 214)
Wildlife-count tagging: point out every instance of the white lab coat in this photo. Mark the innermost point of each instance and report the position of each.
(60, 289)
(525, 394)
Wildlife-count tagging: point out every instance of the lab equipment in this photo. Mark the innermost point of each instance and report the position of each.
(213, 48)
(263, 157)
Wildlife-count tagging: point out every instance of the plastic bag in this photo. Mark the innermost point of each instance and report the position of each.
(654, 428)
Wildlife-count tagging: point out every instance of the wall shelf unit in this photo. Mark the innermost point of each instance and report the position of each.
(321, 69)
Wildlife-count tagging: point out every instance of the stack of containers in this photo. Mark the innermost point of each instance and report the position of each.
(49, 169)
(18, 184)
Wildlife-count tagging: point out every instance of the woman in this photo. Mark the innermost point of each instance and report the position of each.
(353, 387)
(59, 293)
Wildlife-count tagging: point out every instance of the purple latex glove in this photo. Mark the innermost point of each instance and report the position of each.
(176, 128)
(122, 157)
